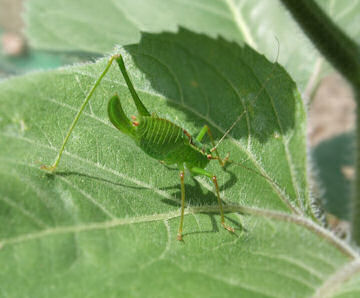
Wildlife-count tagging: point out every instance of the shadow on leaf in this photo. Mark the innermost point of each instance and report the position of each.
(212, 81)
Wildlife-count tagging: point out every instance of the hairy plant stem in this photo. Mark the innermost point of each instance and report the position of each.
(344, 54)
(355, 204)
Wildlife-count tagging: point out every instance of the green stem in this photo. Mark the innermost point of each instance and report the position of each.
(341, 51)
(344, 54)
(355, 203)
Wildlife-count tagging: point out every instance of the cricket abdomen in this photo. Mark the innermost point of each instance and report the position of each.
(165, 141)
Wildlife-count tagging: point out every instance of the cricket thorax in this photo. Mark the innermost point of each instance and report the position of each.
(164, 140)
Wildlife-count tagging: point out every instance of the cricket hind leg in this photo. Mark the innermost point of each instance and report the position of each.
(200, 171)
(118, 118)
(76, 119)
(139, 105)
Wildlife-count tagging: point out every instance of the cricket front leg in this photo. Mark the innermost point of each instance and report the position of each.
(206, 130)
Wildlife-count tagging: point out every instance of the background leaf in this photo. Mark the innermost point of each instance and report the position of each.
(78, 26)
(340, 151)
(105, 224)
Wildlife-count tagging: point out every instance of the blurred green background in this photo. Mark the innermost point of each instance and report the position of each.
(16, 57)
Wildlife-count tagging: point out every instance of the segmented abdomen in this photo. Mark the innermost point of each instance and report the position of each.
(157, 137)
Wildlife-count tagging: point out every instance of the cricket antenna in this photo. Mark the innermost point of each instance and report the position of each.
(227, 132)
(249, 169)
(258, 93)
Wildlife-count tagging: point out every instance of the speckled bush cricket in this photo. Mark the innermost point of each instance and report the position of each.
(159, 138)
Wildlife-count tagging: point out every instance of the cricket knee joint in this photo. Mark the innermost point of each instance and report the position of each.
(225, 160)
(213, 178)
(114, 57)
(182, 175)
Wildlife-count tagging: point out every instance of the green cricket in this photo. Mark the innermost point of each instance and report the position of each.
(159, 138)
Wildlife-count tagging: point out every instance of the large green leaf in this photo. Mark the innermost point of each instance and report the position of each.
(105, 224)
(97, 26)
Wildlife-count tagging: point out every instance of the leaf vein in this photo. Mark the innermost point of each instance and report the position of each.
(25, 212)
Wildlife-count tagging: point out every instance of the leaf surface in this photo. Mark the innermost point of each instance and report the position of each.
(105, 224)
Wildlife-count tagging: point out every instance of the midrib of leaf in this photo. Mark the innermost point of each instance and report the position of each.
(346, 11)
(202, 7)
(241, 24)
(313, 78)
(190, 210)
(328, 236)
